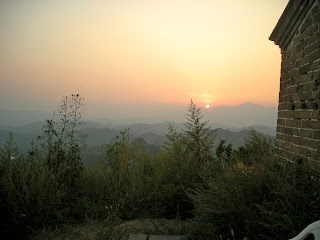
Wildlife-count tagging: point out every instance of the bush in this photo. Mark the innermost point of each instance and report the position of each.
(263, 198)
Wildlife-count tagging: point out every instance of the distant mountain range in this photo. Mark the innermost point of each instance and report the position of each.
(10, 118)
(226, 117)
(243, 115)
(153, 134)
(232, 124)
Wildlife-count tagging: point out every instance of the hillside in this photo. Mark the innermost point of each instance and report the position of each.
(153, 135)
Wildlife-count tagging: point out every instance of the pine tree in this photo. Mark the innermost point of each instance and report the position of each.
(174, 145)
(198, 137)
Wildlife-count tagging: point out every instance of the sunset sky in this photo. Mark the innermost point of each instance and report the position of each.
(138, 52)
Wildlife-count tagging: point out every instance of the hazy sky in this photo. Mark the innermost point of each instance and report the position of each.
(138, 52)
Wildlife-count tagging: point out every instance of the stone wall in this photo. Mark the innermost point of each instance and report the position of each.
(298, 130)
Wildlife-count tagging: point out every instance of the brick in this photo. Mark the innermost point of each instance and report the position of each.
(298, 107)
(298, 39)
(281, 121)
(304, 106)
(287, 114)
(283, 92)
(312, 38)
(315, 155)
(295, 97)
(282, 106)
(315, 144)
(313, 105)
(304, 61)
(314, 66)
(297, 63)
(311, 30)
(287, 99)
(307, 87)
(305, 123)
(289, 51)
(296, 115)
(294, 149)
(304, 69)
(290, 82)
(304, 152)
(295, 140)
(301, 45)
(288, 67)
(314, 56)
(316, 134)
(315, 10)
(315, 85)
(287, 145)
(316, 114)
(306, 133)
(316, 17)
(281, 137)
(311, 48)
(296, 123)
(305, 78)
(304, 97)
(293, 73)
(288, 130)
(305, 115)
(278, 129)
(292, 58)
(296, 132)
(315, 94)
(314, 124)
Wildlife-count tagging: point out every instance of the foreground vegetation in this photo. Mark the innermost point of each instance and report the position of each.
(220, 193)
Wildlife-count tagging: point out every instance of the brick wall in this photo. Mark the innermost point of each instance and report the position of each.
(298, 130)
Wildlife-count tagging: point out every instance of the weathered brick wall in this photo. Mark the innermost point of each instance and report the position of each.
(298, 130)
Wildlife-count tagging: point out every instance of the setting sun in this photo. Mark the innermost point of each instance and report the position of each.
(207, 106)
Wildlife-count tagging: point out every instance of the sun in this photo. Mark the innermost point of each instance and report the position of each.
(207, 106)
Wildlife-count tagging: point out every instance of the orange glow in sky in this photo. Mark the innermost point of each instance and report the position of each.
(119, 51)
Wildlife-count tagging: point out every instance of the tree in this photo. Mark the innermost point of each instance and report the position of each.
(224, 153)
(7, 154)
(199, 138)
(174, 146)
(63, 140)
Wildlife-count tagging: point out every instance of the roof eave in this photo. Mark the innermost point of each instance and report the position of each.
(289, 22)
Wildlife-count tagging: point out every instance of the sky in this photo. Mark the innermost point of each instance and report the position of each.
(129, 52)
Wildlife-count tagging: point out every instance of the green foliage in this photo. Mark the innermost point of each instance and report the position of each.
(62, 140)
(233, 194)
(198, 137)
(257, 197)
(256, 148)
(30, 192)
(225, 153)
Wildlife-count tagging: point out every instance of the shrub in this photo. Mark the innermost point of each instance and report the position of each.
(263, 198)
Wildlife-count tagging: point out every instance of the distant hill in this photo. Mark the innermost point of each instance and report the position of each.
(233, 124)
(19, 118)
(243, 115)
(137, 117)
(153, 135)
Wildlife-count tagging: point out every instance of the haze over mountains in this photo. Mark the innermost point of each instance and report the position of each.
(243, 115)
(232, 123)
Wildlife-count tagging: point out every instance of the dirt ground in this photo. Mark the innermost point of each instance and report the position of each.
(100, 230)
